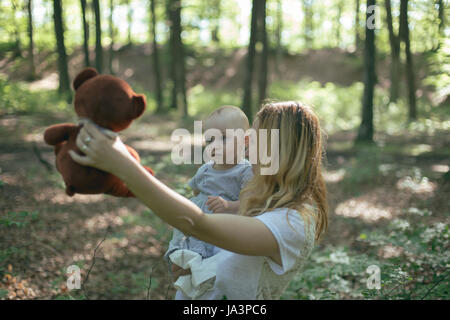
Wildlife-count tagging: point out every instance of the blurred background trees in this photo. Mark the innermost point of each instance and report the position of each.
(258, 46)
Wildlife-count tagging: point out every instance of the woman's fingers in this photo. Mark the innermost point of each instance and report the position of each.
(84, 137)
(83, 160)
(93, 131)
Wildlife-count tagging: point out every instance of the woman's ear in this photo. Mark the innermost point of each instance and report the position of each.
(139, 104)
(83, 76)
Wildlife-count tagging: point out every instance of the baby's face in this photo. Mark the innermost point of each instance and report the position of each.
(229, 142)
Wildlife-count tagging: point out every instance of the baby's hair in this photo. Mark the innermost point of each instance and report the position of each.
(234, 113)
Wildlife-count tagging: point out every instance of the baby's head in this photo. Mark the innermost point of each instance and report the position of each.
(223, 118)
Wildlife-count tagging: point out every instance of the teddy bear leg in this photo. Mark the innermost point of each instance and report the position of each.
(119, 189)
(149, 170)
(70, 191)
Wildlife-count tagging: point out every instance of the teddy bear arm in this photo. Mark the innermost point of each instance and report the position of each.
(59, 133)
(136, 156)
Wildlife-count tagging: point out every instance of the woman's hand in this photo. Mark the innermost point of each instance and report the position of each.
(101, 151)
(178, 272)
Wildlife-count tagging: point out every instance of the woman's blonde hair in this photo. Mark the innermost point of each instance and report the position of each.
(298, 183)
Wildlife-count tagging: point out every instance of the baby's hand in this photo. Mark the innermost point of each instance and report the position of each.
(218, 204)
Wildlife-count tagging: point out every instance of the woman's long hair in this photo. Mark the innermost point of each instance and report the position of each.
(299, 183)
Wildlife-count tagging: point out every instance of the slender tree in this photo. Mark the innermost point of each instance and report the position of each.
(85, 34)
(98, 37)
(441, 15)
(278, 36)
(17, 43)
(64, 85)
(155, 56)
(394, 40)
(130, 21)
(111, 36)
(308, 22)
(247, 101)
(340, 5)
(215, 20)
(357, 37)
(410, 77)
(179, 98)
(265, 50)
(365, 132)
(32, 74)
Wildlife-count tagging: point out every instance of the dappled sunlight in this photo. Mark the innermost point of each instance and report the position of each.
(417, 186)
(390, 251)
(334, 176)
(441, 168)
(156, 146)
(8, 122)
(363, 209)
(58, 196)
(7, 178)
(49, 82)
(34, 137)
(103, 221)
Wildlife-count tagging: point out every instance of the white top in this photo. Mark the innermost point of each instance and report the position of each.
(255, 277)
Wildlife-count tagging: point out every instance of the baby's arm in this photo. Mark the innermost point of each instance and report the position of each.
(218, 204)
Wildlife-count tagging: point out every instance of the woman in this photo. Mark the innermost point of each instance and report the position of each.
(269, 241)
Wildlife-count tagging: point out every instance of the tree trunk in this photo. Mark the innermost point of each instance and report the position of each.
(130, 21)
(404, 34)
(17, 44)
(357, 37)
(111, 35)
(394, 41)
(308, 22)
(85, 34)
(156, 67)
(278, 37)
(340, 5)
(32, 74)
(365, 132)
(216, 21)
(98, 37)
(265, 49)
(441, 16)
(247, 101)
(64, 85)
(179, 98)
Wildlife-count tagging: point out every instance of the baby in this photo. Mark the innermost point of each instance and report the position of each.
(216, 187)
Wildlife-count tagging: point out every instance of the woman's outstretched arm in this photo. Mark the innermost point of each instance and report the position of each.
(243, 235)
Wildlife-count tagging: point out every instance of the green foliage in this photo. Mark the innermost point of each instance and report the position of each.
(3, 293)
(17, 98)
(416, 268)
(18, 219)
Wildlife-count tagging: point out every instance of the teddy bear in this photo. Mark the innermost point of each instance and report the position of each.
(111, 104)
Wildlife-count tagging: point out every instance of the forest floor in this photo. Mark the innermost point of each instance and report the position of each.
(43, 231)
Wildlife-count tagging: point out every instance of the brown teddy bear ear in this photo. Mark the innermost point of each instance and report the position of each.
(83, 76)
(139, 104)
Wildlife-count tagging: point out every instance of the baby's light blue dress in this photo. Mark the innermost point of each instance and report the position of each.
(211, 182)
